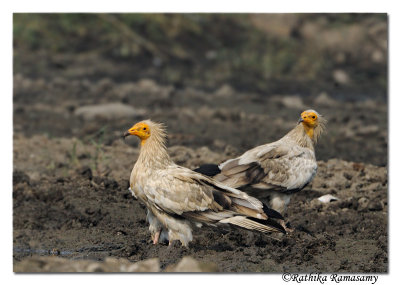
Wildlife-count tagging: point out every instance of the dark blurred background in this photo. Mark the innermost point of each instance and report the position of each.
(302, 53)
(214, 79)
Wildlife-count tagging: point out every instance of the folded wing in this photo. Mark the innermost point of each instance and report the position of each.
(182, 192)
(274, 166)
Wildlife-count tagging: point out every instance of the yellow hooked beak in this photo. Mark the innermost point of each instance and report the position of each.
(130, 132)
(141, 130)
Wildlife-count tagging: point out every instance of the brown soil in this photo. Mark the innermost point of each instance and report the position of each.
(71, 173)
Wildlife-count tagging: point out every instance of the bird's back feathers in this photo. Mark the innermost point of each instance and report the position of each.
(285, 165)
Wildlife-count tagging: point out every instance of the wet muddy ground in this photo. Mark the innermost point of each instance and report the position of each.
(71, 171)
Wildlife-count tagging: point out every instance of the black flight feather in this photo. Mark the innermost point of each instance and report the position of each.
(208, 169)
(271, 213)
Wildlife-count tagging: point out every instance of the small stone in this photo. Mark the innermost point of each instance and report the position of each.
(293, 102)
(362, 203)
(149, 265)
(211, 54)
(189, 264)
(94, 267)
(341, 76)
(378, 56)
(375, 206)
(327, 198)
(147, 83)
(108, 111)
(225, 91)
(350, 203)
(368, 130)
(323, 99)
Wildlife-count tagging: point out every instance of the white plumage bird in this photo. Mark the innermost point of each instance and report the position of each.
(279, 169)
(177, 198)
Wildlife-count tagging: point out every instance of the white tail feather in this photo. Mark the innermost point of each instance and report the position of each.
(243, 222)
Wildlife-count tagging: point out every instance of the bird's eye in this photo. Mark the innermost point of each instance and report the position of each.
(144, 129)
(313, 117)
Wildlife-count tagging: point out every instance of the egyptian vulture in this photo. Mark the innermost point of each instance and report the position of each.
(177, 198)
(280, 168)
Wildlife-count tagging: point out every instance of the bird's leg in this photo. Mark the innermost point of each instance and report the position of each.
(156, 237)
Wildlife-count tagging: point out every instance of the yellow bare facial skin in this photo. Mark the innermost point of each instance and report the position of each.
(309, 121)
(141, 130)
